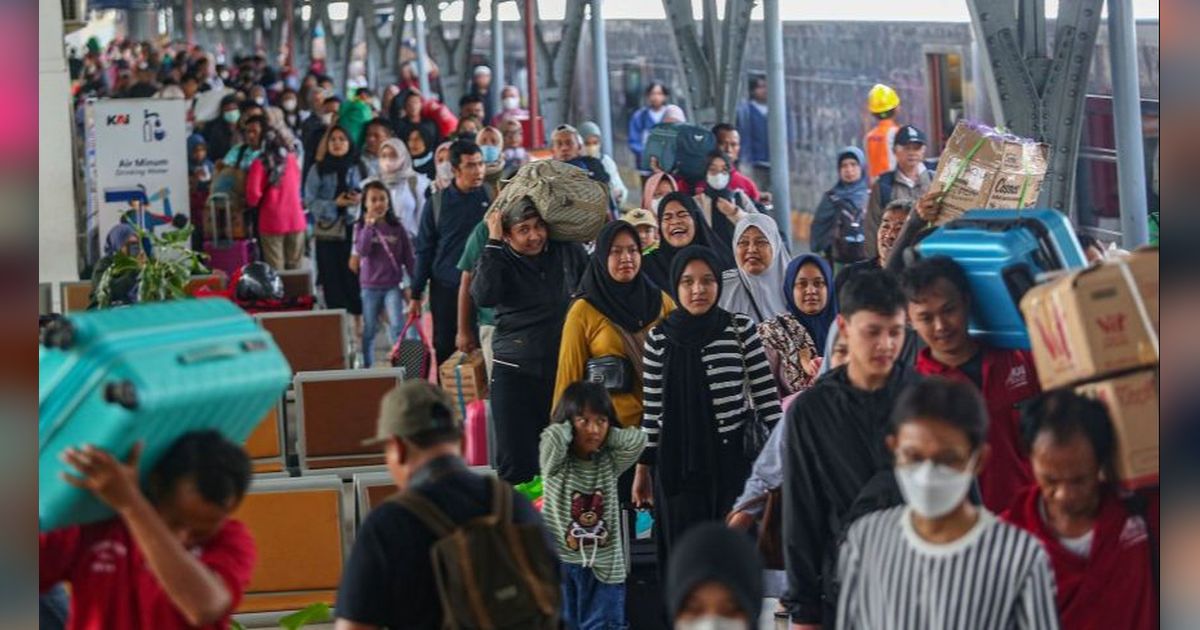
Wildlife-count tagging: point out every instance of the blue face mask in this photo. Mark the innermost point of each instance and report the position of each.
(491, 153)
(232, 116)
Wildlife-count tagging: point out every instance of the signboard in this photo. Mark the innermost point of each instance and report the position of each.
(137, 164)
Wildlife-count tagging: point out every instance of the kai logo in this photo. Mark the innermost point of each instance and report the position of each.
(1111, 323)
(115, 120)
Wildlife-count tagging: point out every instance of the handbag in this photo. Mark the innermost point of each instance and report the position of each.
(414, 355)
(613, 372)
(770, 531)
(754, 431)
(334, 230)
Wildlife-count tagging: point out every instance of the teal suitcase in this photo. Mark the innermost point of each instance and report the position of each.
(148, 372)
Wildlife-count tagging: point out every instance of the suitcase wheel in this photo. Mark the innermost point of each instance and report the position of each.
(122, 393)
(58, 333)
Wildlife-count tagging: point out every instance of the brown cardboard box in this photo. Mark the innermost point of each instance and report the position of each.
(984, 168)
(471, 373)
(1132, 401)
(1087, 325)
(1143, 263)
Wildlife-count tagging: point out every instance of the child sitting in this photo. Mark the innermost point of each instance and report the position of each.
(583, 452)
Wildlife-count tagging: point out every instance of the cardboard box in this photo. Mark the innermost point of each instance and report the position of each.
(985, 168)
(1132, 401)
(1087, 325)
(1143, 262)
(469, 370)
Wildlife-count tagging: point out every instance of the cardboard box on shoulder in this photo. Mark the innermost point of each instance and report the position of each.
(465, 371)
(1088, 324)
(1132, 401)
(1143, 262)
(982, 167)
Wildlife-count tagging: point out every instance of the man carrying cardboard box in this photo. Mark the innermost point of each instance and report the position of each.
(909, 181)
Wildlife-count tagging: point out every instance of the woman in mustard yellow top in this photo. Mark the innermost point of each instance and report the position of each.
(606, 326)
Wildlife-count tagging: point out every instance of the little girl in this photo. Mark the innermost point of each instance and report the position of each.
(583, 452)
(383, 255)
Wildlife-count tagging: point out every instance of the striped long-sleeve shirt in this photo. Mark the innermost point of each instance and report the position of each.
(736, 351)
(995, 577)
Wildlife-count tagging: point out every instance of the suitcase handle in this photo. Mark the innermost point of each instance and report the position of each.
(205, 355)
(216, 233)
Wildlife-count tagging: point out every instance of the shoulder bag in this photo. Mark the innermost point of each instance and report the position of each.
(754, 431)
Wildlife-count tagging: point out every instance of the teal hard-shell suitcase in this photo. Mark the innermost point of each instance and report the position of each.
(150, 373)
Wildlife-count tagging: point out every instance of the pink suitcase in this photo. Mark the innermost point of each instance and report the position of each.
(475, 442)
(228, 256)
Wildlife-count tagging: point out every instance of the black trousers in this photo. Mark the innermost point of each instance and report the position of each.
(520, 410)
(443, 305)
(338, 284)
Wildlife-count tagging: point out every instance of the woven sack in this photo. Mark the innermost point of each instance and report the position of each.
(573, 205)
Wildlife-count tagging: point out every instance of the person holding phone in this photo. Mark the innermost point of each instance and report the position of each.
(333, 193)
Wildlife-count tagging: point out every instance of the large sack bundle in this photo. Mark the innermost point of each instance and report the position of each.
(573, 205)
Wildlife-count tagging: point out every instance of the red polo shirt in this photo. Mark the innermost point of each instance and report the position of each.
(1008, 379)
(113, 587)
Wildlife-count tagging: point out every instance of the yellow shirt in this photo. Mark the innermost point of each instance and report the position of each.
(588, 334)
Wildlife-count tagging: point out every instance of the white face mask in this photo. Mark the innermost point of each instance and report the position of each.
(445, 171)
(591, 150)
(289, 105)
(511, 102)
(327, 118)
(655, 203)
(718, 181)
(934, 490)
(711, 622)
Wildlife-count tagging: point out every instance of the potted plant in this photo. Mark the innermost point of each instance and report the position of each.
(162, 275)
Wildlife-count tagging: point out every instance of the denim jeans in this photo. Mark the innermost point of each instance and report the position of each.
(52, 608)
(588, 603)
(374, 301)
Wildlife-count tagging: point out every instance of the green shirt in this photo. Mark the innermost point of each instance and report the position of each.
(471, 253)
(579, 499)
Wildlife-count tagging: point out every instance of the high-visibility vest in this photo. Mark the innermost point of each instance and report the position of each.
(880, 158)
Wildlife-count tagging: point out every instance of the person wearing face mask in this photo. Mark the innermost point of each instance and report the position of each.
(582, 453)
(313, 129)
(289, 104)
(680, 224)
(529, 280)
(222, 132)
(510, 107)
(934, 562)
(939, 306)
(706, 378)
(443, 170)
(657, 186)
(1102, 539)
(753, 287)
(490, 141)
(722, 207)
(844, 203)
(714, 581)
(839, 424)
(795, 341)
(590, 132)
(515, 155)
(406, 186)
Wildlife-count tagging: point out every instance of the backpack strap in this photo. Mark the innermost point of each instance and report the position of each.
(502, 510)
(428, 513)
(886, 182)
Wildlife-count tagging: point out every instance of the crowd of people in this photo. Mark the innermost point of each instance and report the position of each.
(684, 363)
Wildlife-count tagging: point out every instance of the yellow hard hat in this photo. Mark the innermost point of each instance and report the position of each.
(882, 99)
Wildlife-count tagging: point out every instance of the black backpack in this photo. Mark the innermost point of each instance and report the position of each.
(849, 243)
(680, 148)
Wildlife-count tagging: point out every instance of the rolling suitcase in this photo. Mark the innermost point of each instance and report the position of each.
(148, 372)
(475, 435)
(1003, 253)
(227, 255)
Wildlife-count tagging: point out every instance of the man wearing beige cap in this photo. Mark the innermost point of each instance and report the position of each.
(647, 227)
(389, 580)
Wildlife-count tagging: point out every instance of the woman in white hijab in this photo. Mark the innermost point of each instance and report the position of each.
(406, 186)
(754, 287)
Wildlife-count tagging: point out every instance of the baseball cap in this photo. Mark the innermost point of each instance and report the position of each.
(639, 216)
(908, 134)
(411, 408)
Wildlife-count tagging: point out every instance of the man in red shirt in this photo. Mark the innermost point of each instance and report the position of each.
(729, 142)
(1101, 541)
(939, 303)
(171, 558)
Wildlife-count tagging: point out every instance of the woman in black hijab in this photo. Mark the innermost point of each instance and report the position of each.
(706, 377)
(714, 580)
(680, 224)
(332, 193)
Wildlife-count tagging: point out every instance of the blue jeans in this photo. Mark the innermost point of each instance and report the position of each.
(52, 608)
(375, 300)
(588, 603)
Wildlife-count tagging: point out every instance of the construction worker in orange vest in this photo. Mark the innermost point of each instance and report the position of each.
(883, 102)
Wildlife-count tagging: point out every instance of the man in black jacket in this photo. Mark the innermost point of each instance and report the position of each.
(446, 224)
(836, 465)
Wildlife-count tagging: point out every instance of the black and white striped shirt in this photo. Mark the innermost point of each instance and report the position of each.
(996, 576)
(723, 365)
